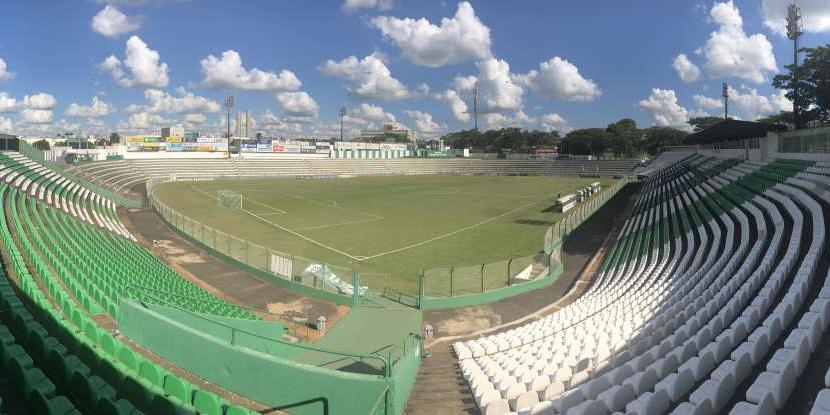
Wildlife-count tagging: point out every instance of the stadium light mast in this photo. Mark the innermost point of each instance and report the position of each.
(793, 33)
(228, 105)
(475, 106)
(342, 115)
(725, 95)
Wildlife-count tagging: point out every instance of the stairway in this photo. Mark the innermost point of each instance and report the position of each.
(440, 388)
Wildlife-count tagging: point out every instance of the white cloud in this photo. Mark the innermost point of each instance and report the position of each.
(424, 124)
(36, 116)
(730, 52)
(749, 104)
(350, 6)
(195, 118)
(367, 115)
(369, 78)
(5, 75)
(162, 102)
(707, 103)
(815, 15)
(7, 103)
(545, 122)
(298, 104)
(228, 72)
(558, 78)
(143, 121)
(6, 125)
(686, 70)
(143, 63)
(41, 101)
(663, 107)
(457, 39)
(110, 22)
(754, 106)
(497, 89)
(97, 108)
(456, 104)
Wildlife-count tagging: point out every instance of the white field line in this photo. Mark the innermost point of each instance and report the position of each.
(457, 231)
(276, 211)
(330, 204)
(307, 228)
(301, 236)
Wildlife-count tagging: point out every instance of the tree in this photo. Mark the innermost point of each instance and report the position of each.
(658, 137)
(41, 145)
(625, 137)
(783, 117)
(594, 141)
(505, 139)
(808, 85)
(115, 138)
(702, 123)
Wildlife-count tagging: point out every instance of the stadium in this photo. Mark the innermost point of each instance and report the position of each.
(164, 257)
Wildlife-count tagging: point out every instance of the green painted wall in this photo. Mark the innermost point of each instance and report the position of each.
(433, 303)
(262, 377)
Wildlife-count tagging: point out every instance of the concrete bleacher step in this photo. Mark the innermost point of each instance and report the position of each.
(440, 387)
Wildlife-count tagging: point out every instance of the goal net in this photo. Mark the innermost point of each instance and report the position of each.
(229, 200)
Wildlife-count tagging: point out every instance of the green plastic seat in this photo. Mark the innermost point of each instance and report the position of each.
(107, 406)
(111, 372)
(238, 410)
(89, 390)
(169, 405)
(38, 404)
(207, 403)
(151, 373)
(137, 392)
(128, 358)
(63, 367)
(178, 388)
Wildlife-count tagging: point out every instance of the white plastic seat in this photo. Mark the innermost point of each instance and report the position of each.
(822, 404)
(777, 385)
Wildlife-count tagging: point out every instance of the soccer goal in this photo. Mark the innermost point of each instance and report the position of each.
(229, 200)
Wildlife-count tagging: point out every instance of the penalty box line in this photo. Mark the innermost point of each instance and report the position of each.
(276, 211)
(301, 236)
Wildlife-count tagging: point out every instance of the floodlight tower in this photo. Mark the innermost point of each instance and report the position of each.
(725, 95)
(228, 105)
(475, 106)
(793, 33)
(342, 115)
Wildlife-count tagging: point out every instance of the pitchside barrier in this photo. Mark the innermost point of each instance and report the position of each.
(479, 284)
(433, 288)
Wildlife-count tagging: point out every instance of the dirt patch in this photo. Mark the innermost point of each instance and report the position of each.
(469, 319)
(296, 308)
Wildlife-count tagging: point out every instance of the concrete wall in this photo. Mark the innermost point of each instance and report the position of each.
(263, 377)
(773, 140)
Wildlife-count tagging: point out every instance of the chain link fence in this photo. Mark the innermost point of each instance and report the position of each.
(308, 272)
(475, 279)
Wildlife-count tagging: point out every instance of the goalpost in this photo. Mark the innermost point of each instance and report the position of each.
(229, 200)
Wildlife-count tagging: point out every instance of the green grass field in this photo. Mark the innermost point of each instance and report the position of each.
(387, 227)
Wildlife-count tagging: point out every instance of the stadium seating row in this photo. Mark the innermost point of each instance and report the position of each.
(60, 192)
(123, 174)
(68, 271)
(710, 276)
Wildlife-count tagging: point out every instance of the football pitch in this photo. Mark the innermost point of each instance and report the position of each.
(388, 228)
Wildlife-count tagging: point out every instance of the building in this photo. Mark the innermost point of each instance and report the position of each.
(243, 124)
(391, 132)
(172, 132)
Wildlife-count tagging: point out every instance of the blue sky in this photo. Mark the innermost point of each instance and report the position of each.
(539, 64)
